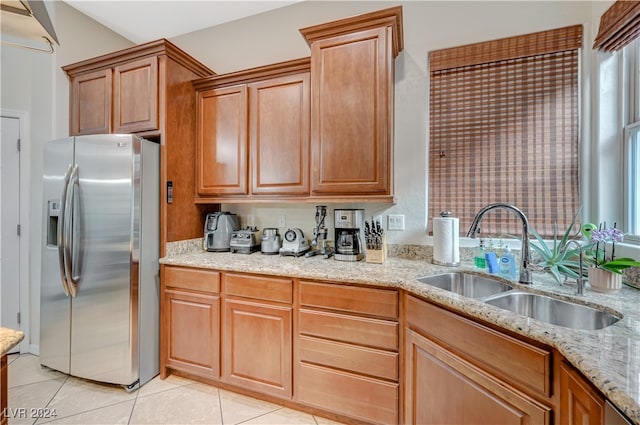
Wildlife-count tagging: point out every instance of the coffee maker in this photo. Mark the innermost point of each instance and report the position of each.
(348, 225)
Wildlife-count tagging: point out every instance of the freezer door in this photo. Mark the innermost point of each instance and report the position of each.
(103, 338)
(55, 305)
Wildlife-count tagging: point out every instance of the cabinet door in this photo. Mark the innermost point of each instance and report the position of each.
(279, 133)
(352, 77)
(579, 404)
(135, 96)
(441, 388)
(191, 322)
(221, 149)
(257, 347)
(91, 103)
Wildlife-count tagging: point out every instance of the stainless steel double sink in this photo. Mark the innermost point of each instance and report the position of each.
(536, 306)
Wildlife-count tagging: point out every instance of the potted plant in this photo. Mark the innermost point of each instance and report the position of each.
(556, 259)
(605, 275)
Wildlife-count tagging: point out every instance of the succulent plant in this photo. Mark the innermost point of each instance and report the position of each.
(555, 259)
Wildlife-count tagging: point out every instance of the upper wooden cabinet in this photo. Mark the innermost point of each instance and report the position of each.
(314, 129)
(352, 76)
(147, 90)
(222, 141)
(91, 102)
(253, 133)
(123, 99)
(135, 96)
(120, 97)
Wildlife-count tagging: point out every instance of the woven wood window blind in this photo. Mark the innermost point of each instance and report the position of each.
(504, 128)
(619, 26)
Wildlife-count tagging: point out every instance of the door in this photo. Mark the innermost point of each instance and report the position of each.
(91, 103)
(55, 305)
(579, 404)
(10, 218)
(221, 144)
(102, 336)
(279, 133)
(192, 323)
(351, 83)
(257, 347)
(135, 96)
(442, 388)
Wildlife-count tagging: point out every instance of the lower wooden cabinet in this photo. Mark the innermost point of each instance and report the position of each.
(458, 371)
(351, 351)
(357, 396)
(347, 346)
(190, 334)
(442, 388)
(257, 346)
(579, 403)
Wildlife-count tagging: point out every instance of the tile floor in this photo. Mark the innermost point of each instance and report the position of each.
(175, 400)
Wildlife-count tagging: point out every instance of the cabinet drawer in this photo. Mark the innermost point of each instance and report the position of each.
(356, 330)
(196, 279)
(363, 360)
(259, 287)
(355, 299)
(508, 357)
(356, 396)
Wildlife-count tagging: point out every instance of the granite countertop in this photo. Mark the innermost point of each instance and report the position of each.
(609, 357)
(9, 339)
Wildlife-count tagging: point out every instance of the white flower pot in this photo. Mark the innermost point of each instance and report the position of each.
(602, 280)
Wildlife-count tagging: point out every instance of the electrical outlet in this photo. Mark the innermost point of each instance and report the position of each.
(395, 222)
(282, 220)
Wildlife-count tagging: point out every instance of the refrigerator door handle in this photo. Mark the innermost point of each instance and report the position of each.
(62, 229)
(69, 234)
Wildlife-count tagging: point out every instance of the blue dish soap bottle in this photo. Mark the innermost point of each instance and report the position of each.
(507, 264)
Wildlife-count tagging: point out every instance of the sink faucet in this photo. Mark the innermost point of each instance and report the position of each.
(525, 273)
(580, 280)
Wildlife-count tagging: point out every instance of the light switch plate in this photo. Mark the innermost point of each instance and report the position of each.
(395, 222)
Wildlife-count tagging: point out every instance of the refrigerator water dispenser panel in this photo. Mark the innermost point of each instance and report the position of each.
(53, 212)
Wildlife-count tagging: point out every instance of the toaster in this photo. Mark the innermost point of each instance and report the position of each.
(244, 241)
(218, 229)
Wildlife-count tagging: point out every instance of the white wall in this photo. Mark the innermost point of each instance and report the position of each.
(33, 82)
(428, 25)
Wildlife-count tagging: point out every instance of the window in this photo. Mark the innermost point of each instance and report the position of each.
(504, 128)
(632, 140)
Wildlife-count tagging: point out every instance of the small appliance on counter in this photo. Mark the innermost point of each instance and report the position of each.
(244, 241)
(348, 224)
(294, 243)
(218, 229)
(270, 243)
(320, 245)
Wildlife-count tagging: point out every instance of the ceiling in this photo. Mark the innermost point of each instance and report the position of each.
(142, 20)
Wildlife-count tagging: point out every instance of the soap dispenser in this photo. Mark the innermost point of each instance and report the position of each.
(479, 261)
(507, 264)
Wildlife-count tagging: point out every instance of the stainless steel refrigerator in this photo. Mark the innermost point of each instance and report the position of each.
(99, 311)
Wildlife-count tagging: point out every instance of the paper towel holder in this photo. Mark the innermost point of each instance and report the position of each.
(455, 261)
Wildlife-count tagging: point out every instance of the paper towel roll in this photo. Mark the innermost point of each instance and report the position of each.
(446, 241)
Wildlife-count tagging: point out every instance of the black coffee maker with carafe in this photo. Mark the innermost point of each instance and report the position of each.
(349, 231)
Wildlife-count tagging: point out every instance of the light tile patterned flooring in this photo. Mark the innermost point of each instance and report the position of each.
(175, 400)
